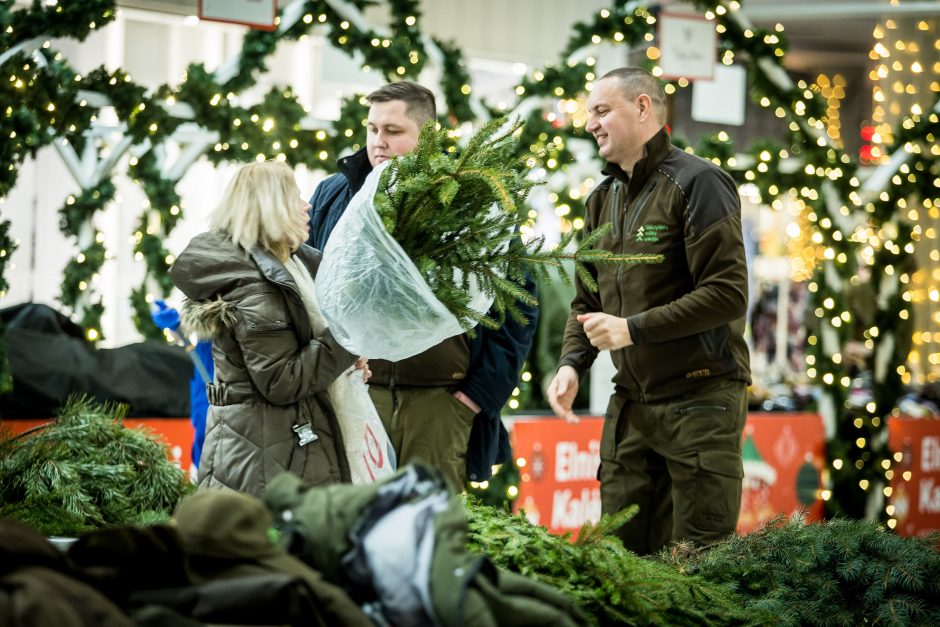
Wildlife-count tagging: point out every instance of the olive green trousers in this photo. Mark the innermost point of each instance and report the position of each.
(679, 461)
(427, 424)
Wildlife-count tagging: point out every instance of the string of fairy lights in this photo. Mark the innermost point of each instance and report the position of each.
(824, 192)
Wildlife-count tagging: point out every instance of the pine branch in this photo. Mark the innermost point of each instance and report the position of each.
(86, 470)
(457, 213)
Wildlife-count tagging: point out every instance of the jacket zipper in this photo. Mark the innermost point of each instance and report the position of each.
(639, 205)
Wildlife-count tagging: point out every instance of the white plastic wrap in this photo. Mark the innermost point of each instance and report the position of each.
(369, 452)
(374, 299)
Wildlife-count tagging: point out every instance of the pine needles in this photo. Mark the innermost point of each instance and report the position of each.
(841, 572)
(86, 470)
(611, 585)
(457, 216)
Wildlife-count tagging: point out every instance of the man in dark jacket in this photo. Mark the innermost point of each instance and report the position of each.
(441, 406)
(672, 431)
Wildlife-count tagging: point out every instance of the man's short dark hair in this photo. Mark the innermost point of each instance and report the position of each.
(419, 100)
(635, 81)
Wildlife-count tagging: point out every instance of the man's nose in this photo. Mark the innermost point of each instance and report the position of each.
(591, 125)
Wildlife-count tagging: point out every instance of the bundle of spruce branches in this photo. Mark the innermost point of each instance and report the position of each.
(456, 213)
(610, 585)
(85, 470)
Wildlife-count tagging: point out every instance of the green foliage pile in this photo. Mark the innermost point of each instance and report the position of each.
(610, 584)
(86, 470)
(840, 572)
(456, 213)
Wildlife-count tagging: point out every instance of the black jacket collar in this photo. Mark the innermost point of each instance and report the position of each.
(654, 152)
(355, 168)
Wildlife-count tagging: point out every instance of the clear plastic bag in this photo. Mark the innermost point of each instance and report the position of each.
(369, 451)
(373, 296)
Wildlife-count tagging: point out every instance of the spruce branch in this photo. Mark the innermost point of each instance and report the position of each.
(457, 214)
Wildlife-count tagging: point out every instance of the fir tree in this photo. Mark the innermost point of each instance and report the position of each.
(457, 212)
(85, 470)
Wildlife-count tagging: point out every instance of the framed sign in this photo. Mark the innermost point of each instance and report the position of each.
(723, 99)
(259, 14)
(688, 46)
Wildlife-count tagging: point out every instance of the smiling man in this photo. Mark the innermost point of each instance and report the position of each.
(441, 406)
(672, 430)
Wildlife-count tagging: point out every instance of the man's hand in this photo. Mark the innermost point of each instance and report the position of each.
(561, 393)
(469, 402)
(606, 332)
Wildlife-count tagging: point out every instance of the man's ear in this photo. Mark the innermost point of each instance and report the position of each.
(644, 105)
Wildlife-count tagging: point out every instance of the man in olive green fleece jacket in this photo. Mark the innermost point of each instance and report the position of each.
(672, 430)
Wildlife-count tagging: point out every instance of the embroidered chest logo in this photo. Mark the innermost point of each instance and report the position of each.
(650, 232)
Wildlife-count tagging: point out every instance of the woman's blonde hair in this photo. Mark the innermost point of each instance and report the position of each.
(260, 207)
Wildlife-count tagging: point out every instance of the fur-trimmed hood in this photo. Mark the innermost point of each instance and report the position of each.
(218, 278)
(207, 318)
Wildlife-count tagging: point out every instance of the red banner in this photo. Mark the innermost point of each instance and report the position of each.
(176, 433)
(784, 456)
(915, 486)
(559, 488)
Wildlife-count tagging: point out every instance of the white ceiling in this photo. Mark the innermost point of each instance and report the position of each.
(832, 33)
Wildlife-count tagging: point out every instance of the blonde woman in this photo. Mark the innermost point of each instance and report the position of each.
(248, 284)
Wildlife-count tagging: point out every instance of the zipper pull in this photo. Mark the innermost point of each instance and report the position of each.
(614, 218)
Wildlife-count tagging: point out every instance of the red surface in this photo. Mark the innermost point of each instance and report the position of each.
(916, 481)
(176, 433)
(559, 489)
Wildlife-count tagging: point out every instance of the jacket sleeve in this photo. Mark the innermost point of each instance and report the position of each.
(283, 370)
(714, 247)
(503, 352)
(576, 350)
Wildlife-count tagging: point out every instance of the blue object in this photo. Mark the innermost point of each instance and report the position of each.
(198, 403)
(168, 318)
(165, 317)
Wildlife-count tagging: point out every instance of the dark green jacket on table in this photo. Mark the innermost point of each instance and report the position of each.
(329, 529)
(271, 372)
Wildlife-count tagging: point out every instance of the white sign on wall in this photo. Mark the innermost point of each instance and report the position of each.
(259, 14)
(688, 46)
(722, 99)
